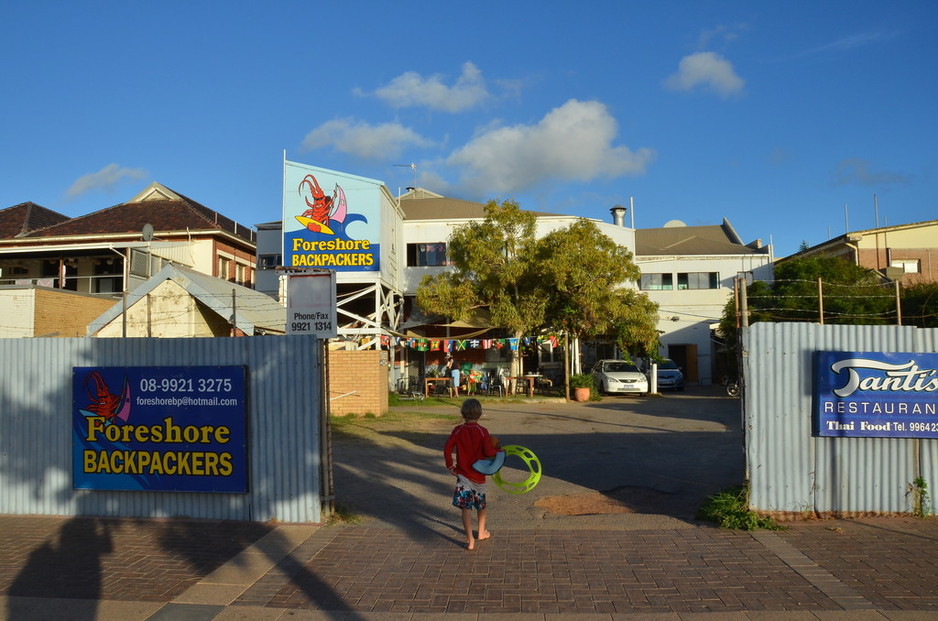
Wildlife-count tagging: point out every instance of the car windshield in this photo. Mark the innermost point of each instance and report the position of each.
(619, 367)
(668, 364)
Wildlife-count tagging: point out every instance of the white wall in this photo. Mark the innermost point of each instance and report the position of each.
(17, 312)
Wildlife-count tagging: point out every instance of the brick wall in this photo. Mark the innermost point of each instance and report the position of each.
(67, 314)
(358, 382)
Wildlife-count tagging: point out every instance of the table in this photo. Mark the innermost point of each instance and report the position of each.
(429, 380)
(530, 379)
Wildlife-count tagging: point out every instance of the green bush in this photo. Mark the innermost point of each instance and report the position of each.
(730, 509)
(583, 380)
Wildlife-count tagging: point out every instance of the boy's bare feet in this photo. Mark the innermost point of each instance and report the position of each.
(484, 535)
(471, 544)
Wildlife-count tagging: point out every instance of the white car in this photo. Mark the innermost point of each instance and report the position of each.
(619, 376)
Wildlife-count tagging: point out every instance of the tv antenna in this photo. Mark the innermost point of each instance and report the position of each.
(413, 167)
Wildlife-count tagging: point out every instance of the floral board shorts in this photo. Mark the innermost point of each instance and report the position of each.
(468, 495)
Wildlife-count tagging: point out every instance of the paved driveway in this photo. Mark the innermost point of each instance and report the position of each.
(624, 462)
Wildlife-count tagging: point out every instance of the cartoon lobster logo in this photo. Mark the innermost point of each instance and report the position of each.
(105, 403)
(322, 209)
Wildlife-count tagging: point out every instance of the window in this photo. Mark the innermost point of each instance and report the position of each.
(657, 282)
(421, 255)
(269, 261)
(698, 280)
(224, 268)
(908, 266)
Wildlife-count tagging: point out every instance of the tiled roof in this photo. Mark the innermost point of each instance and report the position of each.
(176, 213)
(688, 240)
(25, 217)
(430, 206)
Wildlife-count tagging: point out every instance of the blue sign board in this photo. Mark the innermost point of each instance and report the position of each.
(875, 395)
(180, 429)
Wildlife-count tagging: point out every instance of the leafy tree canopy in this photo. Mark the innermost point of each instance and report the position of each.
(851, 295)
(493, 267)
(584, 272)
(571, 279)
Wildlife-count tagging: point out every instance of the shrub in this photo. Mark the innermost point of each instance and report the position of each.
(730, 509)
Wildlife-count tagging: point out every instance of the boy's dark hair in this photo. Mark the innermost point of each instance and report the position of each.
(471, 409)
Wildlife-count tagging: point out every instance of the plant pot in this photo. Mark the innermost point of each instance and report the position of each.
(581, 394)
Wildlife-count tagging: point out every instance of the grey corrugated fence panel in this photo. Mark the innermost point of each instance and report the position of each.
(283, 415)
(792, 471)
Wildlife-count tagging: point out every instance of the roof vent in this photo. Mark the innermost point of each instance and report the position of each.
(618, 215)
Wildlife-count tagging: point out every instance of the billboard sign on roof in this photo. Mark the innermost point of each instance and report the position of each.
(331, 220)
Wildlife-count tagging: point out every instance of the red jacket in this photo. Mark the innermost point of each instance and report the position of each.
(472, 443)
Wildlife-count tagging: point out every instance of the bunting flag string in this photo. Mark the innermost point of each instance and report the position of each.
(453, 345)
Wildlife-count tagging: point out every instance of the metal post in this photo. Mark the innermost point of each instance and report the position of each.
(326, 481)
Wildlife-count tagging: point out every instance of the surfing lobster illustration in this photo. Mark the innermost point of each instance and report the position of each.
(322, 208)
(104, 402)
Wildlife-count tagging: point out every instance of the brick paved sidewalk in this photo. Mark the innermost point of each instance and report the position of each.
(167, 569)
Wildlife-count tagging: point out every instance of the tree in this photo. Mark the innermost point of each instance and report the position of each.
(493, 267)
(585, 272)
(570, 280)
(851, 295)
(920, 305)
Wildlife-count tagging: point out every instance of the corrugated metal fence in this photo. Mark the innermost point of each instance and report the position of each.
(283, 411)
(792, 472)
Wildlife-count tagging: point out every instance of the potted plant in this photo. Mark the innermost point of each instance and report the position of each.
(581, 383)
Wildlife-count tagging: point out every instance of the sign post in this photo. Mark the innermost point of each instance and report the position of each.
(311, 309)
(311, 304)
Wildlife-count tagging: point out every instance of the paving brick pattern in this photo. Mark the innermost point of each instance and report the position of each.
(684, 571)
(825, 568)
(138, 560)
(890, 561)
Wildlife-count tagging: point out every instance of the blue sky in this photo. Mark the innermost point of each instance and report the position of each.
(785, 118)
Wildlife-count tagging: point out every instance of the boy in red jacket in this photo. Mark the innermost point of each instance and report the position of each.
(472, 442)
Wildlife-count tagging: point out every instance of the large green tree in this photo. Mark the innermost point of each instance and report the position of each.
(570, 280)
(585, 273)
(493, 267)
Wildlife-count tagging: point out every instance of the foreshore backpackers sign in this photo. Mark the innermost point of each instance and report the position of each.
(159, 428)
(863, 394)
(330, 219)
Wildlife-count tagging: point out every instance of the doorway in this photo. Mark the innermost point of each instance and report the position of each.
(686, 357)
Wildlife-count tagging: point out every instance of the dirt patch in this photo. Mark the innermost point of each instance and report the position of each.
(627, 499)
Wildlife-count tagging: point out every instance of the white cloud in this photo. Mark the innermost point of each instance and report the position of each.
(708, 70)
(411, 90)
(105, 179)
(856, 171)
(572, 142)
(358, 138)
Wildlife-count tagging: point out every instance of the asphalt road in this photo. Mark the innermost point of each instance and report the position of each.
(624, 462)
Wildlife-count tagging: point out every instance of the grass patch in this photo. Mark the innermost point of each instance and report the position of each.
(342, 515)
(730, 509)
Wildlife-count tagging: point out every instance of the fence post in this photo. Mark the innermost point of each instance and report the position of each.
(820, 299)
(898, 305)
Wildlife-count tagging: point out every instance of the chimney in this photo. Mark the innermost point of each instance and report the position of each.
(618, 215)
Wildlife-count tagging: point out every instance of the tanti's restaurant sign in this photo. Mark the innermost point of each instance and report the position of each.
(177, 429)
(875, 394)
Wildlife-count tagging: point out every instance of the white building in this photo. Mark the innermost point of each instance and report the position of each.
(689, 272)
